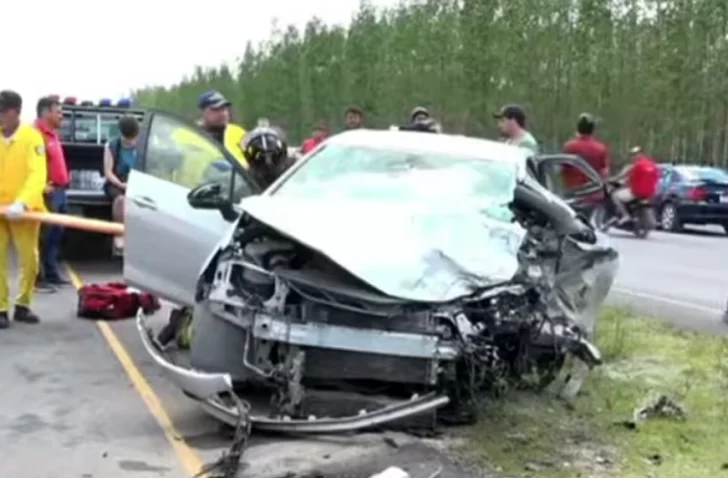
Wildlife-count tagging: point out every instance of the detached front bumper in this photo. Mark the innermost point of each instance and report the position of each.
(210, 389)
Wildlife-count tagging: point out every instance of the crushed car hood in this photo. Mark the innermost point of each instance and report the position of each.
(410, 251)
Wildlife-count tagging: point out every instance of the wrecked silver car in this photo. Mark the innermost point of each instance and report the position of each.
(386, 275)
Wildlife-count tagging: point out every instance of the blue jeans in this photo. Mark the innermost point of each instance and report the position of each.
(51, 248)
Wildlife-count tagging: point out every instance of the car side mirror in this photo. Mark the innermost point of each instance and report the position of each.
(209, 196)
(206, 196)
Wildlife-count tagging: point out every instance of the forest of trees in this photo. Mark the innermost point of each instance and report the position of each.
(654, 71)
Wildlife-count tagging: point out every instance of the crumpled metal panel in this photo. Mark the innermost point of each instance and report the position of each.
(585, 276)
(433, 251)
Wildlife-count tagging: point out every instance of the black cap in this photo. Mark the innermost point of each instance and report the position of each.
(514, 112)
(212, 99)
(10, 100)
(419, 110)
(587, 119)
(586, 124)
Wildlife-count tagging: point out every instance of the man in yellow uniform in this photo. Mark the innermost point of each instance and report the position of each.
(22, 182)
(215, 110)
(199, 154)
(199, 163)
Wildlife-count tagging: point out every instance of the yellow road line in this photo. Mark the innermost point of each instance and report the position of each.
(189, 457)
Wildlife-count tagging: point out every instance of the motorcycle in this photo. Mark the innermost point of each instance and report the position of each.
(642, 212)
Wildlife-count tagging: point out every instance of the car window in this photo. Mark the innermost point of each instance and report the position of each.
(179, 153)
(90, 126)
(696, 173)
(564, 178)
(397, 176)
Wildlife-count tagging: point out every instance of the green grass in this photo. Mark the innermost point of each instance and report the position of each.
(531, 434)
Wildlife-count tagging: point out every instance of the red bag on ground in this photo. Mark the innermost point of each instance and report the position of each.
(113, 301)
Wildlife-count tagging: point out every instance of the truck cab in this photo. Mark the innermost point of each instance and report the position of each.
(85, 131)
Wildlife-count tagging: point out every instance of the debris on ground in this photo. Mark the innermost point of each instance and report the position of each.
(665, 371)
(659, 406)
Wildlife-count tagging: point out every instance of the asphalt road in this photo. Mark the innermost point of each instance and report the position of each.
(67, 409)
(678, 277)
(82, 399)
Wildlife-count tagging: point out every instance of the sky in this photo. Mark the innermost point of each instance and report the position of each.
(79, 48)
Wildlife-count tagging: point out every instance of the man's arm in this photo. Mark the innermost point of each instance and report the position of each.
(568, 147)
(604, 169)
(35, 184)
(57, 169)
(624, 172)
(109, 169)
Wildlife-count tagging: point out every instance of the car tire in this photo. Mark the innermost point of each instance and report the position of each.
(669, 219)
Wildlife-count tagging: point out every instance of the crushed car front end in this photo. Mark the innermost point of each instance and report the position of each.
(350, 314)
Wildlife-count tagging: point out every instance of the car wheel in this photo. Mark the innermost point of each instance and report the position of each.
(669, 220)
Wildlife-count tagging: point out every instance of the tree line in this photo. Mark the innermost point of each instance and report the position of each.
(655, 72)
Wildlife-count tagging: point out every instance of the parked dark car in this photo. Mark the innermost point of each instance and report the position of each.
(691, 194)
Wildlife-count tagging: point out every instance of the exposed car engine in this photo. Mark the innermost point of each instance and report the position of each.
(311, 325)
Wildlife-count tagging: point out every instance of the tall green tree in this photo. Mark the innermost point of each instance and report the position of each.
(654, 71)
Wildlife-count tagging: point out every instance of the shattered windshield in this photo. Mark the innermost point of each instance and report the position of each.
(347, 173)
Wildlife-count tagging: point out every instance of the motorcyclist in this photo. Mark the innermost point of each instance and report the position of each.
(639, 181)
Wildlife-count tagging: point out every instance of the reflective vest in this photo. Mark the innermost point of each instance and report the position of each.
(234, 135)
(199, 154)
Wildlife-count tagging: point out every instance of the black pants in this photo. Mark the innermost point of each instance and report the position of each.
(112, 192)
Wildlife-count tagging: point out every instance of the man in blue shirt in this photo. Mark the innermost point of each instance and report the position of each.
(120, 157)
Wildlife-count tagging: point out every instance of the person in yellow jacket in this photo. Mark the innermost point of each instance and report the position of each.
(197, 167)
(22, 182)
(197, 155)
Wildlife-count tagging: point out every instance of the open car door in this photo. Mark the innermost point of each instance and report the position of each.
(556, 172)
(167, 240)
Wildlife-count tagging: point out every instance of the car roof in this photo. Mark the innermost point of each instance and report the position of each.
(446, 144)
(688, 165)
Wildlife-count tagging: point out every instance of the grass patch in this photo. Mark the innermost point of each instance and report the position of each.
(532, 434)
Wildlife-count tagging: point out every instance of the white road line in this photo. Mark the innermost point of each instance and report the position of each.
(667, 300)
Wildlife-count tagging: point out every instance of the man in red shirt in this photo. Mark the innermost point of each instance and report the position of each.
(319, 135)
(589, 148)
(48, 123)
(642, 178)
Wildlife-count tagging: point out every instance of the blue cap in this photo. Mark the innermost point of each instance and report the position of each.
(212, 99)
(105, 102)
(124, 103)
